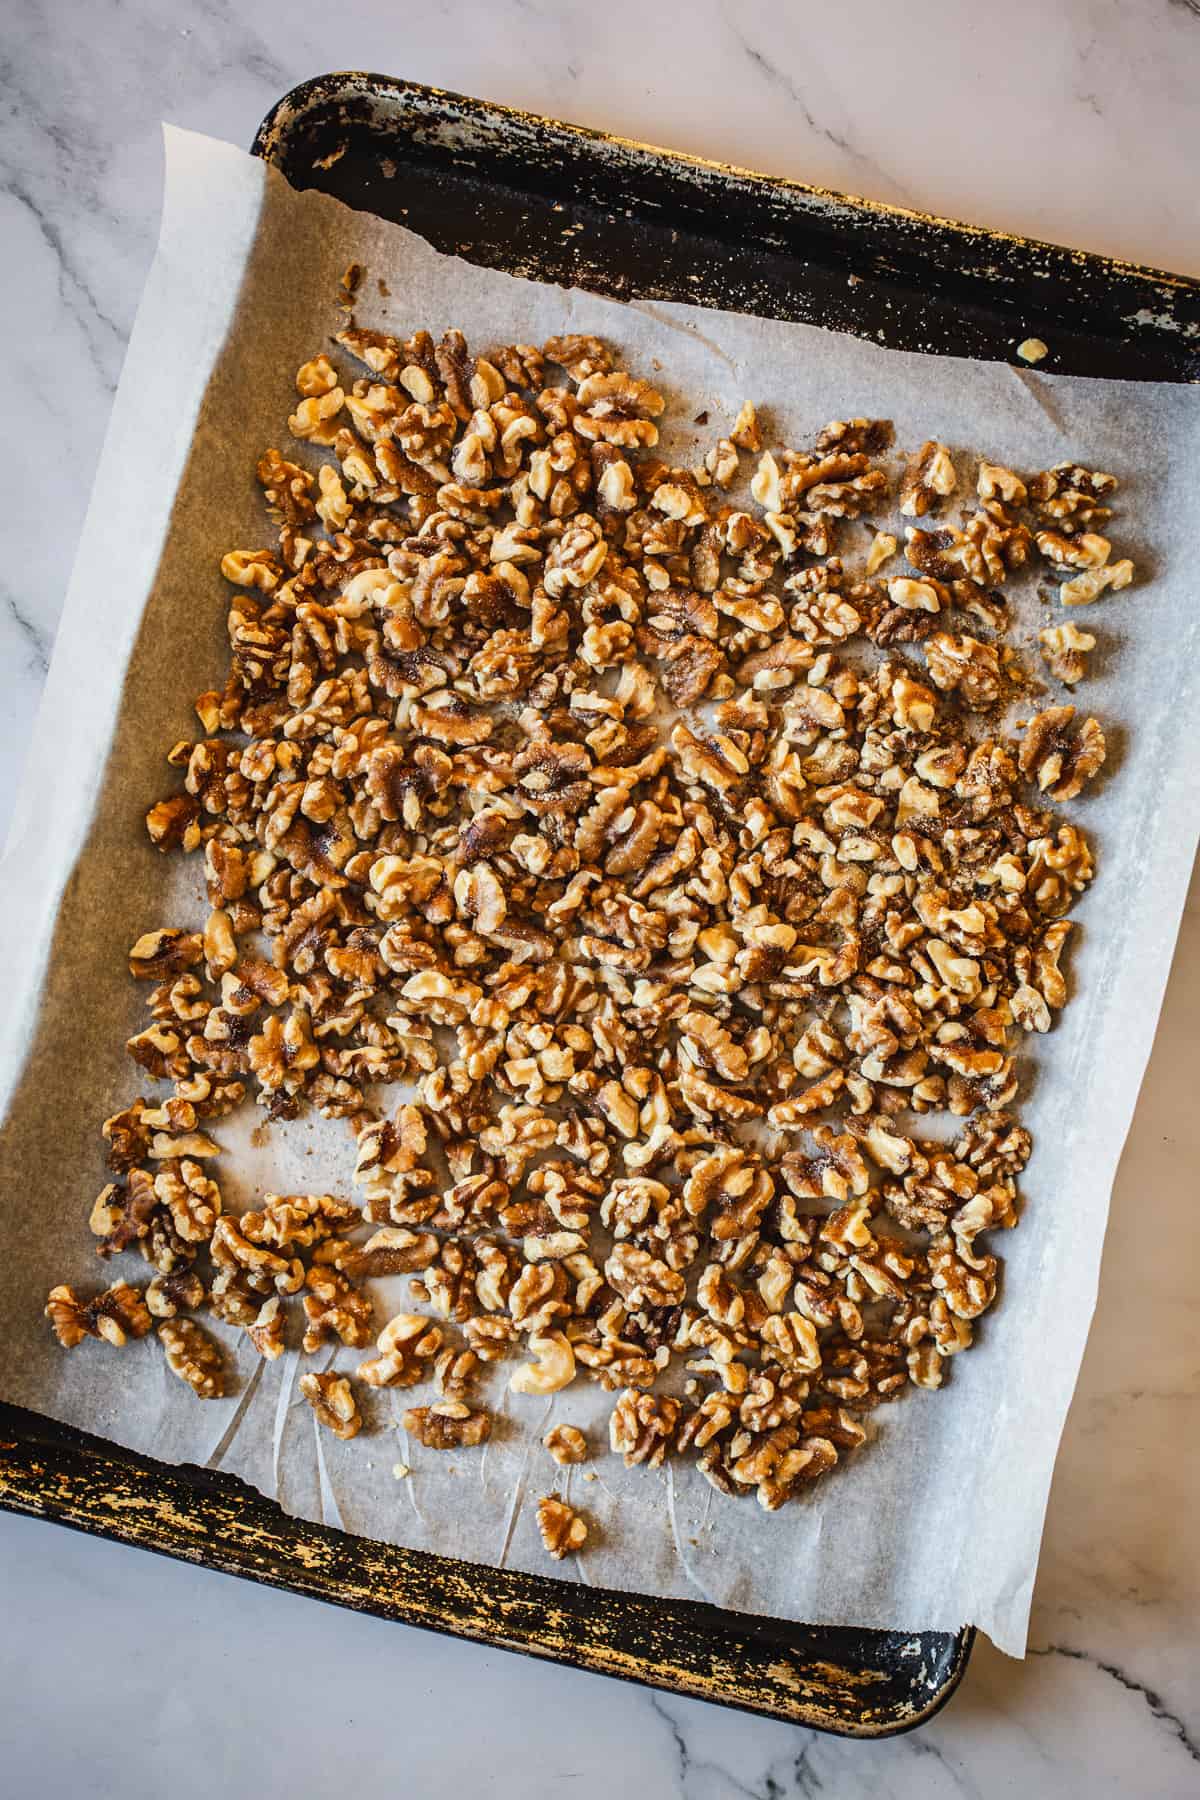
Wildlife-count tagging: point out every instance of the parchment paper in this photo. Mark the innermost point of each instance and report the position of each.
(938, 1521)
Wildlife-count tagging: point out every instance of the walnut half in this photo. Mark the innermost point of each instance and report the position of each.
(193, 1356)
(449, 1425)
(563, 1531)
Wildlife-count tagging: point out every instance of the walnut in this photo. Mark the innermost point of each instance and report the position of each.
(929, 479)
(1081, 590)
(1065, 651)
(393, 1250)
(745, 430)
(994, 482)
(165, 952)
(642, 1279)
(883, 546)
(791, 1340)
(566, 1444)
(407, 1341)
(554, 1367)
(1087, 550)
(265, 1330)
(448, 1425)
(965, 666)
(335, 1308)
(1061, 761)
(777, 1462)
(262, 1268)
(456, 1371)
(332, 1400)
(1068, 496)
(115, 1315)
(193, 1356)
(618, 408)
(490, 1337)
(191, 1198)
(580, 356)
(168, 1295)
(291, 1221)
(641, 1427)
(563, 1531)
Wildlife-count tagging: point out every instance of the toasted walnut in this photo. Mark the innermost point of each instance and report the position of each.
(1065, 651)
(1061, 761)
(745, 431)
(1068, 496)
(965, 666)
(332, 1400)
(566, 1444)
(165, 952)
(778, 1461)
(265, 1330)
(1083, 589)
(116, 1315)
(642, 1279)
(191, 1198)
(994, 482)
(618, 408)
(193, 1356)
(168, 1295)
(554, 1367)
(929, 479)
(290, 1221)
(406, 1343)
(883, 546)
(563, 1531)
(641, 1427)
(262, 1268)
(448, 1425)
(490, 1337)
(393, 1250)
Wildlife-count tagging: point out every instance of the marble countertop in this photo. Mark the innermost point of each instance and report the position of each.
(1076, 122)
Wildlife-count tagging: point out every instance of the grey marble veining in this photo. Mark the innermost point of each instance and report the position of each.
(124, 1675)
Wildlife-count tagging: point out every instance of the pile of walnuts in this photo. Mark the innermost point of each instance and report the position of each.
(673, 851)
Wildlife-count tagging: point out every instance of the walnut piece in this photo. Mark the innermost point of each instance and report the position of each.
(116, 1315)
(1065, 651)
(563, 1531)
(193, 1356)
(1060, 760)
(448, 1425)
(332, 1400)
(566, 1444)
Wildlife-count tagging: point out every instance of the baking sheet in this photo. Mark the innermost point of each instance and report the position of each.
(937, 1523)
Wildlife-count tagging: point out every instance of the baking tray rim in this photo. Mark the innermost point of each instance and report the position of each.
(810, 196)
(83, 1493)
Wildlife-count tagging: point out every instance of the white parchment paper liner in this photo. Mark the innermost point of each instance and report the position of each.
(938, 1522)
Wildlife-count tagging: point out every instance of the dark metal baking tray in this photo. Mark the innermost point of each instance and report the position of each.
(501, 187)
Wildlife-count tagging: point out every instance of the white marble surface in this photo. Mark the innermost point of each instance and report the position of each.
(125, 1675)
